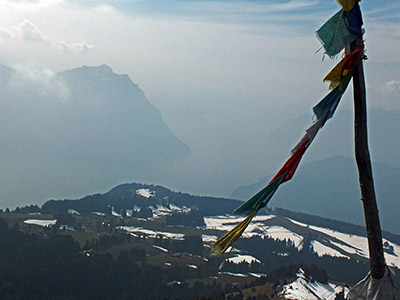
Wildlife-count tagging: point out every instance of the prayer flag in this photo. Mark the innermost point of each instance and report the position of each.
(355, 20)
(334, 34)
(311, 132)
(260, 199)
(335, 75)
(224, 242)
(347, 4)
(330, 102)
(284, 174)
(291, 164)
(342, 68)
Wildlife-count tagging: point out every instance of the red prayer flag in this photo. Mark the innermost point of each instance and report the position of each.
(291, 164)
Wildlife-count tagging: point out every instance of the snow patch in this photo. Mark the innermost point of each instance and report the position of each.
(160, 210)
(302, 289)
(43, 223)
(98, 213)
(146, 193)
(257, 275)
(358, 243)
(297, 223)
(233, 274)
(322, 250)
(255, 228)
(152, 233)
(115, 214)
(73, 212)
(278, 232)
(160, 248)
(174, 282)
(192, 266)
(227, 222)
(209, 238)
(243, 258)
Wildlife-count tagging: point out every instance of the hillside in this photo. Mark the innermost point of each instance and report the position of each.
(147, 229)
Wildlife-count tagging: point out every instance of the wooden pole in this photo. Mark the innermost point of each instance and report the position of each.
(374, 234)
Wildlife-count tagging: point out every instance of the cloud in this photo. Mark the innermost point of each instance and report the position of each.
(6, 34)
(25, 31)
(81, 47)
(43, 81)
(31, 33)
(392, 86)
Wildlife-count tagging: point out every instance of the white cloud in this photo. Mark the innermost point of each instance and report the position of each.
(25, 31)
(31, 33)
(41, 80)
(81, 47)
(392, 86)
(6, 34)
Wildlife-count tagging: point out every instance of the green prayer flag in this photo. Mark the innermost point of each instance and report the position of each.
(334, 35)
(261, 198)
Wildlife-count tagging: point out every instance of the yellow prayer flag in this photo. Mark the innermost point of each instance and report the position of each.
(335, 75)
(224, 242)
(347, 4)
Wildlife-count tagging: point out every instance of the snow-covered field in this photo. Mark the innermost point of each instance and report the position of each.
(354, 244)
(227, 222)
(335, 243)
(343, 244)
(255, 228)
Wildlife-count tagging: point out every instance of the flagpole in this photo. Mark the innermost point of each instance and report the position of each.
(374, 234)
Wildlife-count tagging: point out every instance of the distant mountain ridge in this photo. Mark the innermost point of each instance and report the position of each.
(329, 188)
(77, 131)
(127, 196)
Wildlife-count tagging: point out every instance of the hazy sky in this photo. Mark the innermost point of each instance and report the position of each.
(184, 48)
(204, 62)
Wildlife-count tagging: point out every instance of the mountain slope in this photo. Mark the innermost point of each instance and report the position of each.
(116, 120)
(329, 188)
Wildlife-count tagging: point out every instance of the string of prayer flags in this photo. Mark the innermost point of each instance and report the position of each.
(347, 4)
(323, 111)
(262, 198)
(342, 68)
(258, 201)
(334, 35)
(340, 30)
